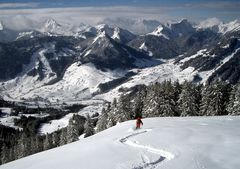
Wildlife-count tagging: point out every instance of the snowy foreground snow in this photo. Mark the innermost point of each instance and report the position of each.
(170, 143)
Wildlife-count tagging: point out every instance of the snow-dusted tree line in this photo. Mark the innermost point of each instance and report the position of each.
(19, 144)
(172, 99)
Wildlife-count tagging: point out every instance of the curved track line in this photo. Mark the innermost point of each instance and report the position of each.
(164, 155)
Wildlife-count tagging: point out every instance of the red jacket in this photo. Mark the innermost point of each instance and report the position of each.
(139, 121)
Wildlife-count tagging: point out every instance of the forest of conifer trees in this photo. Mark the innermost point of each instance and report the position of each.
(172, 99)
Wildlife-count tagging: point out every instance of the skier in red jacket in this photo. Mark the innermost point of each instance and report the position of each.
(138, 123)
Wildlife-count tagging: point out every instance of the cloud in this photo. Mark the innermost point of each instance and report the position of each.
(29, 18)
(225, 5)
(18, 5)
(32, 18)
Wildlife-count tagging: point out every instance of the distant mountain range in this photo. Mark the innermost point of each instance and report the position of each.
(61, 62)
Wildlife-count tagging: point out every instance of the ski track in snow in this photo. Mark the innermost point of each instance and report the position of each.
(147, 163)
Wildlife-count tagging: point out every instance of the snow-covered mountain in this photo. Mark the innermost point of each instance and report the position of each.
(116, 33)
(191, 142)
(137, 26)
(232, 26)
(39, 66)
(51, 62)
(181, 28)
(161, 30)
(219, 26)
(52, 27)
(174, 29)
(174, 39)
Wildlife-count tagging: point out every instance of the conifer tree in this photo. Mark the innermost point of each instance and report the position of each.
(124, 111)
(150, 107)
(56, 138)
(102, 121)
(187, 103)
(233, 106)
(48, 142)
(63, 136)
(88, 127)
(72, 130)
(4, 154)
(166, 104)
(214, 99)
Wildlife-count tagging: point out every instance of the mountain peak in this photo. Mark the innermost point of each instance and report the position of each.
(53, 27)
(102, 26)
(183, 21)
(51, 24)
(229, 27)
(136, 26)
(182, 27)
(160, 31)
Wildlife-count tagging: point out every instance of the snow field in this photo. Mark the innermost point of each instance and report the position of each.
(191, 142)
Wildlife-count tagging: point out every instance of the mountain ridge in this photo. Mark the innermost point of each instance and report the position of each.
(174, 51)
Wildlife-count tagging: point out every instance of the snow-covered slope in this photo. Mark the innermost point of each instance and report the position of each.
(229, 27)
(192, 142)
(166, 71)
(6, 119)
(78, 82)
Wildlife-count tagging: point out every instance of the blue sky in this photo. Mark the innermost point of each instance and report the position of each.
(93, 11)
(83, 3)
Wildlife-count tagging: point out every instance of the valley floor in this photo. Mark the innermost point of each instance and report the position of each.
(170, 143)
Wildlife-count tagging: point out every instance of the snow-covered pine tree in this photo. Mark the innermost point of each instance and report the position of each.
(33, 144)
(25, 146)
(150, 106)
(214, 99)
(39, 143)
(19, 147)
(111, 121)
(167, 104)
(63, 136)
(233, 107)
(102, 121)
(11, 154)
(138, 102)
(4, 154)
(124, 111)
(72, 131)
(160, 100)
(88, 127)
(187, 103)
(56, 139)
(177, 90)
(48, 142)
